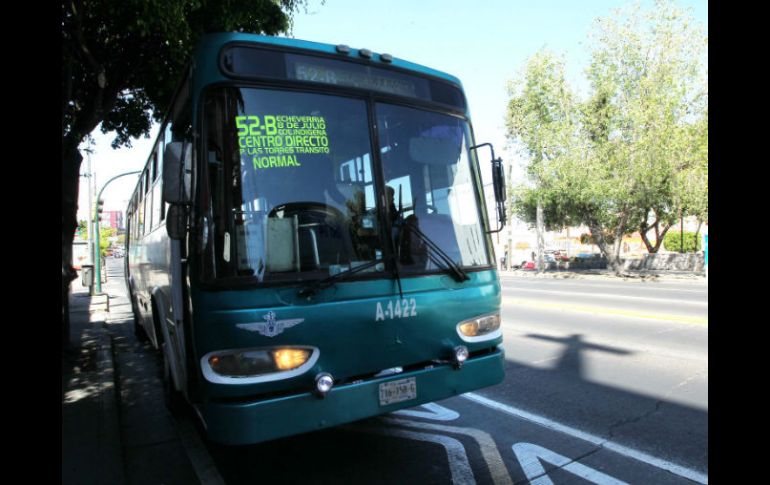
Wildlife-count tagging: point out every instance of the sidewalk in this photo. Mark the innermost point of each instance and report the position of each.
(115, 426)
(91, 443)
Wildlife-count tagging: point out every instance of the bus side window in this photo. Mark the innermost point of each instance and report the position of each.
(147, 203)
(157, 209)
(140, 209)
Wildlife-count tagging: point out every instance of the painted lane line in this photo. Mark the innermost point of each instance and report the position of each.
(200, 459)
(529, 457)
(674, 468)
(459, 466)
(603, 310)
(435, 412)
(615, 296)
(489, 451)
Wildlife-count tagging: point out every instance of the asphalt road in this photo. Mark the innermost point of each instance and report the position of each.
(606, 382)
(622, 359)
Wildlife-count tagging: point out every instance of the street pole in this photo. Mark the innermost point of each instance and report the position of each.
(98, 264)
(94, 232)
(90, 226)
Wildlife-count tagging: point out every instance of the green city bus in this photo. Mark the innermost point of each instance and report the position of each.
(308, 243)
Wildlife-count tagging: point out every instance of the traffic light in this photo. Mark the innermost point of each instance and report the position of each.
(99, 209)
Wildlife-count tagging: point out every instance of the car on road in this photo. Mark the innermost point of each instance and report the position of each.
(553, 255)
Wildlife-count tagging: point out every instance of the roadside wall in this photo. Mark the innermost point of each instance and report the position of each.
(668, 262)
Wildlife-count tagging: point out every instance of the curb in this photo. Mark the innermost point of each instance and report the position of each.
(112, 455)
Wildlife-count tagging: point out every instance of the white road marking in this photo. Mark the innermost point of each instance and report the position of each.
(489, 451)
(459, 466)
(613, 295)
(435, 412)
(679, 470)
(529, 456)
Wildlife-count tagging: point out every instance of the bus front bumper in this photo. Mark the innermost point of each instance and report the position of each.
(256, 421)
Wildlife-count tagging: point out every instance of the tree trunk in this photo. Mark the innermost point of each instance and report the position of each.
(697, 232)
(620, 231)
(71, 159)
(611, 251)
(540, 243)
(643, 228)
(598, 236)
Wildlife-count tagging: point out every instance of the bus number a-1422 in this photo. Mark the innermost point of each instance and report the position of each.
(396, 309)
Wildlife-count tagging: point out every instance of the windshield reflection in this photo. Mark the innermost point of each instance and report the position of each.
(290, 188)
(430, 183)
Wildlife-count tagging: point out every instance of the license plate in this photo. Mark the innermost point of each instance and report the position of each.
(397, 391)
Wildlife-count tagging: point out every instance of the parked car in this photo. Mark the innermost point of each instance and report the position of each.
(555, 255)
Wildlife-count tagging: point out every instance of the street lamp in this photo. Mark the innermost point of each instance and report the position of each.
(97, 213)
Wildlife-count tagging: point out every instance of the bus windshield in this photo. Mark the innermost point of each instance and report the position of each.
(290, 191)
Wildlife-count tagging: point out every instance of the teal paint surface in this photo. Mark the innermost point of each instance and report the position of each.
(340, 321)
(253, 422)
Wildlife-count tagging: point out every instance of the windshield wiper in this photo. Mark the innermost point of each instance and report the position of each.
(313, 287)
(434, 250)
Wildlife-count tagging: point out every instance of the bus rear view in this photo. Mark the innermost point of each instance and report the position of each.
(333, 259)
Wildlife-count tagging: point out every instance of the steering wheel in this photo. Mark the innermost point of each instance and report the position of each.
(310, 213)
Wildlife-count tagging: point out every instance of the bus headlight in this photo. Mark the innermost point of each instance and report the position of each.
(479, 328)
(257, 365)
(288, 359)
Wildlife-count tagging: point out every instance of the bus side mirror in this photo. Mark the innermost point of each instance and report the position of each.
(498, 183)
(176, 221)
(176, 173)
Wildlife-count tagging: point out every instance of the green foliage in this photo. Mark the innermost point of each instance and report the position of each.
(636, 148)
(672, 241)
(104, 234)
(588, 238)
(82, 229)
(121, 62)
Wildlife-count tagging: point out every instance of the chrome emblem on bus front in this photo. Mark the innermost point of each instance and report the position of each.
(271, 327)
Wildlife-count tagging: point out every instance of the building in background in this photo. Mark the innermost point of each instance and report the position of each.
(113, 219)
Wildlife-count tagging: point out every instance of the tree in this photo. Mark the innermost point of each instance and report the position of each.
(120, 64)
(539, 118)
(649, 65)
(633, 155)
(82, 229)
(105, 233)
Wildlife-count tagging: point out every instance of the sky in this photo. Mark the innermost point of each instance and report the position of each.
(485, 44)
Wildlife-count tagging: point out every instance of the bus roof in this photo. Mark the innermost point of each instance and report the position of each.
(215, 41)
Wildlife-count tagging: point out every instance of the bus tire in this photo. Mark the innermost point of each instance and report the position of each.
(139, 332)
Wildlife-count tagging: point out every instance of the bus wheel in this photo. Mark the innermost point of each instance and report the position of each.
(174, 400)
(139, 332)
